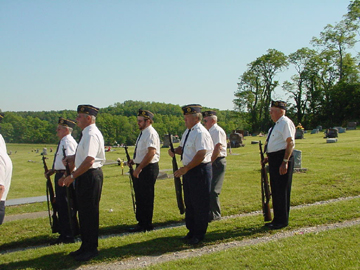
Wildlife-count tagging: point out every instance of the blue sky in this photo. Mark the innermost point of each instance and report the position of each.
(58, 54)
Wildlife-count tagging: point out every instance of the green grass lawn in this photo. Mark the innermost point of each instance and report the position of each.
(333, 172)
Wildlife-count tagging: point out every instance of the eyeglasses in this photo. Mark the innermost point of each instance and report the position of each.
(205, 121)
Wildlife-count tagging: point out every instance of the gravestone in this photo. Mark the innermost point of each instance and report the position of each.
(297, 161)
(299, 134)
(297, 158)
(331, 133)
(236, 140)
(319, 128)
(331, 140)
(166, 142)
(315, 131)
(351, 125)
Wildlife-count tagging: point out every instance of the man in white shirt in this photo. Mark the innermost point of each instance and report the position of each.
(67, 142)
(2, 141)
(89, 158)
(218, 160)
(5, 180)
(146, 158)
(196, 149)
(279, 147)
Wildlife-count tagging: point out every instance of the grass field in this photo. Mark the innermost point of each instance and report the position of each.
(332, 172)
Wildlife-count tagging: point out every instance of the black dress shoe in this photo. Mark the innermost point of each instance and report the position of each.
(62, 240)
(76, 253)
(268, 224)
(187, 237)
(87, 255)
(194, 241)
(137, 228)
(149, 228)
(276, 226)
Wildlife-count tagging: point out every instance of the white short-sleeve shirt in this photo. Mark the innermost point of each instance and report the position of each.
(283, 129)
(199, 139)
(5, 172)
(92, 145)
(69, 144)
(149, 138)
(2, 143)
(218, 135)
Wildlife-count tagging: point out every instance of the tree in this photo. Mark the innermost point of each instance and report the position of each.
(257, 85)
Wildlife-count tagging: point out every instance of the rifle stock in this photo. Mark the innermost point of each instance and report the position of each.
(265, 188)
(50, 197)
(131, 178)
(177, 180)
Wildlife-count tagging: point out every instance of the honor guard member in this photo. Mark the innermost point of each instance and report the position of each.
(88, 176)
(195, 148)
(218, 162)
(146, 158)
(279, 146)
(2, 141)
(5, 180)
(67, 142)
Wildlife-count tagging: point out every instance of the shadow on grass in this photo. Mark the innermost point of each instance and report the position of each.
(45, 239)
(152, 247)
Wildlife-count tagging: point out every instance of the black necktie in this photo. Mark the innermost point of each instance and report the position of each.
(137, 144)
(186, 137)
(268, 138)
(57, 148)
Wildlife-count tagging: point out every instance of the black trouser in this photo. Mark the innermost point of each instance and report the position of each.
(62, 206)
(197, 183)
(280, 186)
(88, 188)
(144, 188)
(2, 211)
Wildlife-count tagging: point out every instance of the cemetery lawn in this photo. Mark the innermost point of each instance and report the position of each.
(332, 172)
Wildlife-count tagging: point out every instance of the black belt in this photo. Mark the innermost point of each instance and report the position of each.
(219, 158)
(60, 171)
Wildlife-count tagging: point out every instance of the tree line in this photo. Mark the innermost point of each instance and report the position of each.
(118, 123)
(325, 90)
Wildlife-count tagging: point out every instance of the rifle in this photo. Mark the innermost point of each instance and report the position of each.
(131, 178)
(177, 180)
(71, 202)
(50, 197)
(265, 189)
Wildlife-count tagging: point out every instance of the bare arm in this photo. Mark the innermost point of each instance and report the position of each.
(177, 150)
(216, 152)
(2, 190)
(146, 160)
(288, 151)
(198, 158)
(84, 167)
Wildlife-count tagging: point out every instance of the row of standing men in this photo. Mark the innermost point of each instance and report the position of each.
(202, 150)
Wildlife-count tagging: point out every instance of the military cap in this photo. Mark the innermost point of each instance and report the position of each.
(88, 109)
(191, 109)
(67, 122)
(146, 114)
(279, 104)
(208, 113)
(1, 117)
